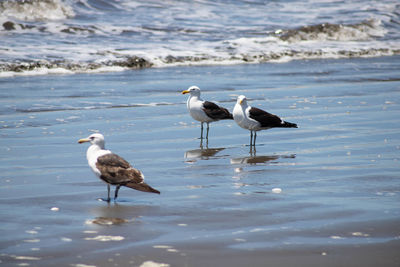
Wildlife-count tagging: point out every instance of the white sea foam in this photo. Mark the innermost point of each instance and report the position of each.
(29, 258)
(36, 10)
(204, 35)
(153, 264)
(105, 238)
(82, 265)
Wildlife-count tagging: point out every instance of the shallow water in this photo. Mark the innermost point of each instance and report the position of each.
(338, 172)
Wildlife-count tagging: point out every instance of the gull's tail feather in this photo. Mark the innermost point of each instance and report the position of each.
(142, 187)
(288, 125)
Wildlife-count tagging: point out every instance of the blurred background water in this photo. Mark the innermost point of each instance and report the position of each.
(54, 36)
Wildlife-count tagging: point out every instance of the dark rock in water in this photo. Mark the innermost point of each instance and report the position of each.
(329, 31)
(9, 25)
(27, 26)
(182, 59)
(137, 62)
(310, 32)
(74, 30)
(67, 30)
(93, 66)
(130, 62)
(133, 62)
(170, 59)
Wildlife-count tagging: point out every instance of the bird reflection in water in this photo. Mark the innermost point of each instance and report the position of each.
(203, 153)
(254, 159)
(116, 214)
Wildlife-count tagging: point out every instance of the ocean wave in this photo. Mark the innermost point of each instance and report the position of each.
(65, 28)
(65, 67)
(35, 10)
(134, 62)
(365, 30)
(117, 50)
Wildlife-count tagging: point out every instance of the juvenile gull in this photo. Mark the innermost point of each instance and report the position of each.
(113, 169)
(204, 111)
(255, 119)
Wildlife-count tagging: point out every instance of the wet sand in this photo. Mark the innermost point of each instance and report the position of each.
(220, 203)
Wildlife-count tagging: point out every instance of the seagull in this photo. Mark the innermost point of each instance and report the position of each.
(113, 169)
(204, 111)
(255, 119)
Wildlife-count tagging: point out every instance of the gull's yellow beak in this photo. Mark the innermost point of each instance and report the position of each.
(185, 92)
(241, 101)
(83, 140)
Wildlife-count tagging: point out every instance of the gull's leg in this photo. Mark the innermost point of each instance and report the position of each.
(251, 138)
(255, 136)
(201, 135)
(116, 192)
(108, 193)
(208, 128)
(252, 151)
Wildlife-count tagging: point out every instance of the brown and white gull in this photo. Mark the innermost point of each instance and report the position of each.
(113, 169)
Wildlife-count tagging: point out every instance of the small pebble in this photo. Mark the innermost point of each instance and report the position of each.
(277, 190)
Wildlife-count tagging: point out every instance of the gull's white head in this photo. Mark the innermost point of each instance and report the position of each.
(193, 90)
(94, 139)
(242, 100)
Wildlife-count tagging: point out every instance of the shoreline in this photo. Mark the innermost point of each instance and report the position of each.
(44, 67)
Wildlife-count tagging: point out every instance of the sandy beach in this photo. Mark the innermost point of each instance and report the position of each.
(325, 194)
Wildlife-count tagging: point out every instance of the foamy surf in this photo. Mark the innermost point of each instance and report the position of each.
(41, 37)
(36, 10)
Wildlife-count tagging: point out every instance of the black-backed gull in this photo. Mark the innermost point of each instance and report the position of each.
(255, 119)
(204, 111)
